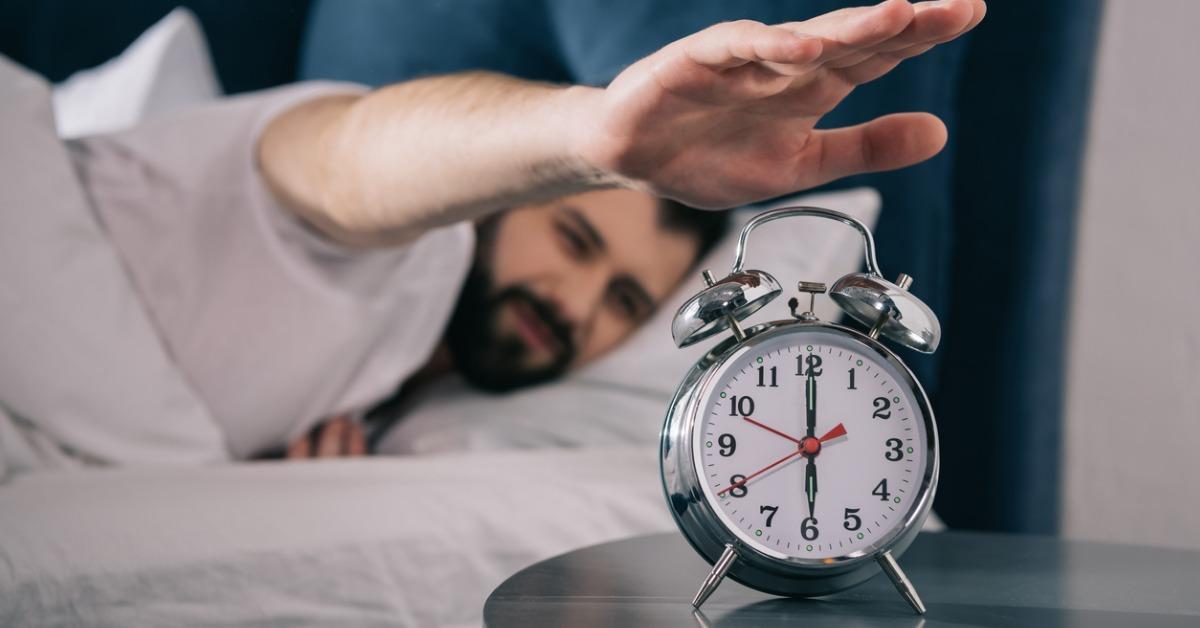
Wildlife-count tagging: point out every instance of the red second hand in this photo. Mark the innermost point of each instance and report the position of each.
(772, 430)
(837, 431)
(760, 472)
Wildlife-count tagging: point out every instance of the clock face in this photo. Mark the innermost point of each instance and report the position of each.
(811, 445)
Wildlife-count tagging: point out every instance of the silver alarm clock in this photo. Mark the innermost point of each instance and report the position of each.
(799, 454)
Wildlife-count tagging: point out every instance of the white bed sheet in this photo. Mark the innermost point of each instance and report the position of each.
(417, 541)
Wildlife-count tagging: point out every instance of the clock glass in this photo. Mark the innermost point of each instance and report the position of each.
(811, 445)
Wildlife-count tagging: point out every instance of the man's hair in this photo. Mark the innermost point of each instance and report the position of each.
(708, 226)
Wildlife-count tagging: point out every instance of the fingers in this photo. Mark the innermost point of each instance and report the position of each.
(300, 448)
(847, 31)
(354, 443)
(329, 443)
(339, 437)
(852, 36)
(885, 143)
(733, 44)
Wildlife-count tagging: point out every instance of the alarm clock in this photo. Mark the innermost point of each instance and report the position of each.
(800, 456)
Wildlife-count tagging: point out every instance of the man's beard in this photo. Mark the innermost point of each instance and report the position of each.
(487, 358)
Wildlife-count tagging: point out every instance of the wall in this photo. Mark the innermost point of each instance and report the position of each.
(1132, 453)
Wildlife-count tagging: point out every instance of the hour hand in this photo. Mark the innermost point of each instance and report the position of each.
(810, 486)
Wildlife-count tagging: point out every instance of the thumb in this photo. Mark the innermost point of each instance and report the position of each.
(885, 143)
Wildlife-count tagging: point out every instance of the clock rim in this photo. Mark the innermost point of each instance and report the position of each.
(697, 519)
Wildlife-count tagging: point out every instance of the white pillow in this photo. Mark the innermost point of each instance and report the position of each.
(621, 398)
(80, 360)
(168, 67)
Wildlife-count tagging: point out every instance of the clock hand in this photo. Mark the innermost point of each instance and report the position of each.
(771, 429)
(810, 398)
(759, 472)
(838, 431)
(810, 485)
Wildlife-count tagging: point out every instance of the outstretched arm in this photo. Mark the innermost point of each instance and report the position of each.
(723, 117)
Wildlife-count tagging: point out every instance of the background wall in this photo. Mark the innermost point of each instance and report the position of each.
(1132, 452)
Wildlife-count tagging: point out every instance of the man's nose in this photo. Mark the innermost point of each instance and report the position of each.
(579, 297)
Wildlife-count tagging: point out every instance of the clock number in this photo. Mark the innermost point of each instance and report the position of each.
(728, 444)
(853, 521)
(893, 445)
(762, 379)
(808, 529)
(742, 405)
(851, 386)
(812, 362)
(773, 509)
(738, 490)
(881, 490)
(881, 408)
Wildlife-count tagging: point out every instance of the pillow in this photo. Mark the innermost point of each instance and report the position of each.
(168, 67)
(621, 398)
(80, 360)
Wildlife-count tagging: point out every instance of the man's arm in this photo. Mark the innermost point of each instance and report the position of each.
(723, 117)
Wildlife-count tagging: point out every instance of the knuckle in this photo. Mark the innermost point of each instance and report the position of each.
(738, 27)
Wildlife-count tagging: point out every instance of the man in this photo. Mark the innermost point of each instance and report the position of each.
(551, 287)
(300, 251)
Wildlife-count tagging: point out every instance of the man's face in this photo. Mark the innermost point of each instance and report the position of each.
(557, 284)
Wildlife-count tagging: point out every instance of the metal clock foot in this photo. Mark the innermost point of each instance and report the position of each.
(903, 585)
(720, 568)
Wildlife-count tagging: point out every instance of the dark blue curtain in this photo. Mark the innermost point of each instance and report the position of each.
(1022, 119)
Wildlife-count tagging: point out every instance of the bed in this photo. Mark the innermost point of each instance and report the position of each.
(382, 541)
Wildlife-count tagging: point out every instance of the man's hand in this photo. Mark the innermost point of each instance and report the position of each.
(724, 117)
(339, 437)
(727, 115)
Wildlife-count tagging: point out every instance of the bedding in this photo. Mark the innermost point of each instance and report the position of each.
(77, 351)
(360, 542)
(165, 69)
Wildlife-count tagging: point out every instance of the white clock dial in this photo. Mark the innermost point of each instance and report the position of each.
(842, 485)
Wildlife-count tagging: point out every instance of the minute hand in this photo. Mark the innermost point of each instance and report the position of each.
(810, 401)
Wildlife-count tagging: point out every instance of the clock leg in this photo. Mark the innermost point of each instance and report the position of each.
(720, 568)
(903, 585)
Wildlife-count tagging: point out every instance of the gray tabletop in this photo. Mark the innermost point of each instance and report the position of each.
(966, 579)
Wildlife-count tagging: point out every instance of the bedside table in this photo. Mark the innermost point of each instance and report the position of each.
(965, 578)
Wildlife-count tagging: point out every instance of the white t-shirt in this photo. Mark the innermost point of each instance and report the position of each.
(273, 327)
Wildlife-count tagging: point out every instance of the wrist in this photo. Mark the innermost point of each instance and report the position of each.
(576, 134)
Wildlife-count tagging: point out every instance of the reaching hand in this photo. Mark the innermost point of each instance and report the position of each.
(727, 116)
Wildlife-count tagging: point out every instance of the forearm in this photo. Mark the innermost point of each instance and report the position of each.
(386, 167)
(720, 118)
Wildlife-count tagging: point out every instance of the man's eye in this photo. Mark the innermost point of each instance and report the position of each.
(626, 305)
(573, 241)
